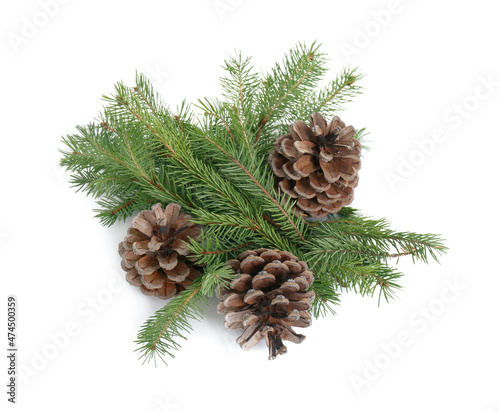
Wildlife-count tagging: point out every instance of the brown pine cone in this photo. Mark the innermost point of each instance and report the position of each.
(155, 252)
(267, 298)
(318, 165)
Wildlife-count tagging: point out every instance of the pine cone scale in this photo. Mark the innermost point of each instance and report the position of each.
(305, 165)
(147, 264)
(134, 278)
(143, 226)
(305, 147)
(168, 263)
(302, 132)
(153, 280)
(134, 235)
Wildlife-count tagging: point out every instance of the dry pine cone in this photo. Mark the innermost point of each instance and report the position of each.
(318, 165)
(154, 253)
(267, 298)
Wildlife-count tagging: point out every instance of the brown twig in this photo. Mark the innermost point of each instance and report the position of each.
(228, 250)
(368, 253)
(221, 119)
(145, 99)
(242, 128)
(113, 212)
(180, 124)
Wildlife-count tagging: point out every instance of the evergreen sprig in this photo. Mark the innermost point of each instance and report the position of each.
(160, 334)
(140, 152)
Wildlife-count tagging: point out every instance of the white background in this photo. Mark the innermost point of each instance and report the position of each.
(426, 63)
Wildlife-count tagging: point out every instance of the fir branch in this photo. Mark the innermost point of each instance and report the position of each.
(214, 278)
(373, 237)
(228, 250)
(333, 97)
(227, 117)
(140, 106)
(174, 138)
(365, 278)
(367, 253)
(212, 219)
(211, 109)
(261, 188)
(241, 85)
(293, 79)
(113, 164)
(159, 335)
(219, 243)
(143, 121)
(120, 208)
(224, 195)
(326, 296)
(245, 134)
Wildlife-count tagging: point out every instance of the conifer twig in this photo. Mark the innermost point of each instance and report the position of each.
(264, 191)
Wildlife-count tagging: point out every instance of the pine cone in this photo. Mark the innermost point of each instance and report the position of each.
(267, 298)
(155, 253)
(318, 165)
